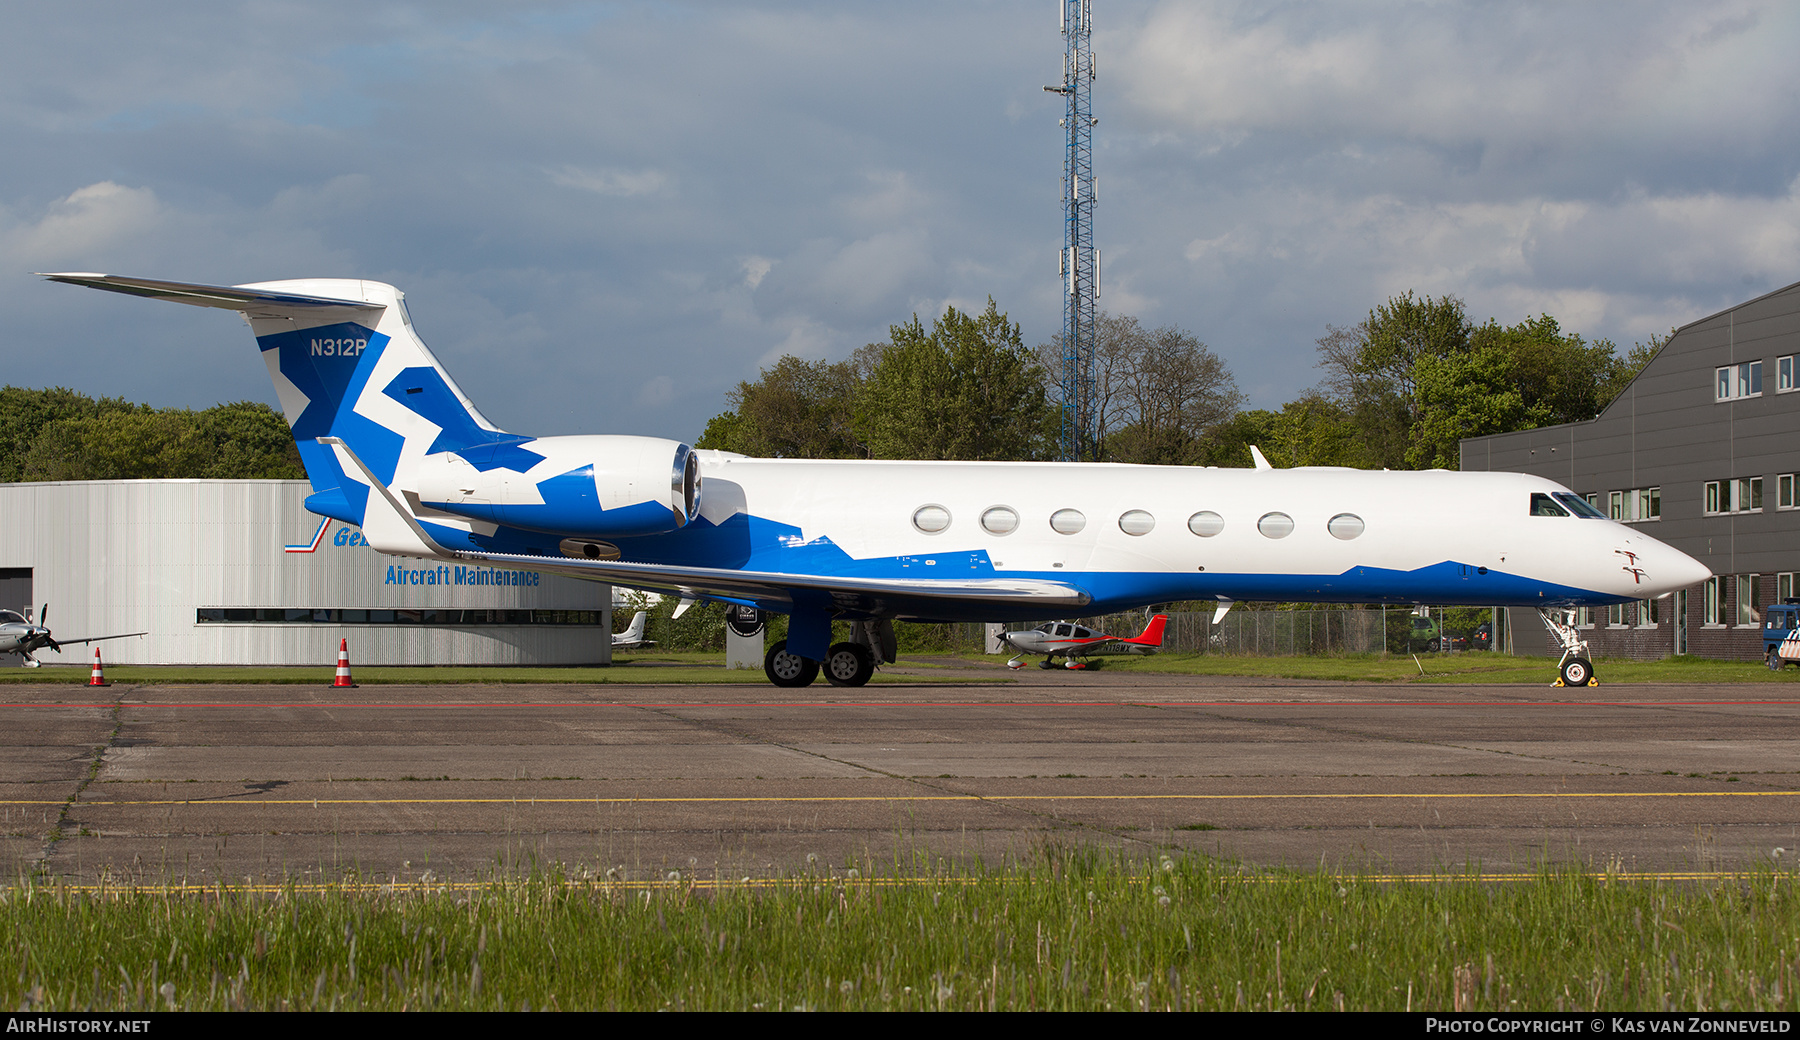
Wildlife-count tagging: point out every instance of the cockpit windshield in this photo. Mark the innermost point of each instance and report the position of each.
(11, 617)
(1543, 505)
(1579, 506)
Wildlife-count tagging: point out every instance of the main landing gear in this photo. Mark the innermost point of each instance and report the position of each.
(850, 663)
(1577, 666)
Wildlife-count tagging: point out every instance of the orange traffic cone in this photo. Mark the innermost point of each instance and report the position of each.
(98, 678)
(343, 680)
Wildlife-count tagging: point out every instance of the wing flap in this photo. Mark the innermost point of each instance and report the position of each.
(873, 597)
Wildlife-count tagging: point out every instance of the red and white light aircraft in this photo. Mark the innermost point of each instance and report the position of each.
(1073, 641)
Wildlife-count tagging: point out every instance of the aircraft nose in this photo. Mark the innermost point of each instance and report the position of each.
(1683, 570)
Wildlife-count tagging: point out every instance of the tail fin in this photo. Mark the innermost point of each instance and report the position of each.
(346, 365)
(635, 631)
(1153, 632)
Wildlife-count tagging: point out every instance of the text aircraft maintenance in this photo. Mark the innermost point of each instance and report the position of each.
(20, 636)
(391, 444)
(1076, 641)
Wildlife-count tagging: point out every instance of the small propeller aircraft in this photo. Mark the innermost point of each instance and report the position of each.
(633, 636)
(1073, 641)
(19, 636)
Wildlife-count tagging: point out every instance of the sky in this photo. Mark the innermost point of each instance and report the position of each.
(606, 215)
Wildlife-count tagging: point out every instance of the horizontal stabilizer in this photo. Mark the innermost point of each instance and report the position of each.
(225, 297)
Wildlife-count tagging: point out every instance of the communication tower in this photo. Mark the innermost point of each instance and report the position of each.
(1080, 261)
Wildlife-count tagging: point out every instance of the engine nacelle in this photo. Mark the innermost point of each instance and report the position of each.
(600, 487)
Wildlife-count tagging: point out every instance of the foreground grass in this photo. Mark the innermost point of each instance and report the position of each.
(1452, 668)
(1075, 932)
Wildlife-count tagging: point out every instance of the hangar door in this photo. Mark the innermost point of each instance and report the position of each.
(15, 594)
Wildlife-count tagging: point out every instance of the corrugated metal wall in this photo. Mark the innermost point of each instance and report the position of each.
(120, 556)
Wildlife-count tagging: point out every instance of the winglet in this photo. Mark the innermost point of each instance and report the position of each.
(1256, 456)
(393, 530)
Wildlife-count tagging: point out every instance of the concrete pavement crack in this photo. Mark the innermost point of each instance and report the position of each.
(58, 830)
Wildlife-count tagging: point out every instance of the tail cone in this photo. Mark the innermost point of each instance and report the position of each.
(343, 680)
(98, 678)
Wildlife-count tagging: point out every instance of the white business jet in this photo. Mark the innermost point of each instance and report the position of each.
(633, 636)
(391, 443)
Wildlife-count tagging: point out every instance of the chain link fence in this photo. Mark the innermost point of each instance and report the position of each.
(1266, 633)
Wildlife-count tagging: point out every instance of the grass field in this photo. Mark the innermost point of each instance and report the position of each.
(1073, 931)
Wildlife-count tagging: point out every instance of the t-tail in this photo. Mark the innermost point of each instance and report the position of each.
(393, 445)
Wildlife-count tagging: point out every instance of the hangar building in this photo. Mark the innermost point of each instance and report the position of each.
(238, 572)
(1702, 451)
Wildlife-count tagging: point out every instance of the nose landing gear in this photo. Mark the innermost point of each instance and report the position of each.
(1577, 666)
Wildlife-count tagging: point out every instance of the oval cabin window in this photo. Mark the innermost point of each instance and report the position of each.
(931, 519)
(1275, 525)
(1000, 520)
(1067, 521)
(1137, 522)
(1206, 523)
(1345, 526)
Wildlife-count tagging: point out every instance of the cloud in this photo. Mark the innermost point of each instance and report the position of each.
(622, 183)
(86, 223)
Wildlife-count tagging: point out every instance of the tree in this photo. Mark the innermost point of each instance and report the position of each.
(1155, 393)
(1416, 377)
(1626, 369)
(59, 434)
(795, 410)
(968, 389)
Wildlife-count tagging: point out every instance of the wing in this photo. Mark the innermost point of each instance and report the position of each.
(847, 596)
(94, 639)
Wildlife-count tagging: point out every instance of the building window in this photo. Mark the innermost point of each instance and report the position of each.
(1634, 505)
(1615, 615)
(1743, 495)
(1784, 491)
(1584, 617)
(1741, 380)
(1710, 604)
(1646, 613)
(1784, 587)
(1735, 381)
(1784, 373)
(389, 616)
(1748, 600)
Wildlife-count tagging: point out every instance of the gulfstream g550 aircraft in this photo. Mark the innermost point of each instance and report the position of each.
(391, 444)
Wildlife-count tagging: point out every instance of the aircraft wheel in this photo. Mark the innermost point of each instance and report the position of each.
(1577, 671)
(785, 669)
(849, 664)
(1047, 664)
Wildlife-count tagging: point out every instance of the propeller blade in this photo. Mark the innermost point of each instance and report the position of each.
(44, 614)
